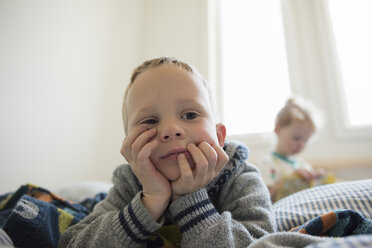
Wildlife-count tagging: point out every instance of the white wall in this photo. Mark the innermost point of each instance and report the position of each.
(177, 28)
(63, 69)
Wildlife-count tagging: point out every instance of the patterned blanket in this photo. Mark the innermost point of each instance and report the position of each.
(339, 228)
(338, 223)
(35, 217)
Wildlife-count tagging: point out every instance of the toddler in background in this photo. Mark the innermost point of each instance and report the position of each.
(283, 172)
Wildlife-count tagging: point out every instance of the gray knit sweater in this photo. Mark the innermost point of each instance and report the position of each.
(232, 211)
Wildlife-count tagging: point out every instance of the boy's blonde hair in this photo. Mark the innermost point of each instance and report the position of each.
(295, 109)
(157, 62)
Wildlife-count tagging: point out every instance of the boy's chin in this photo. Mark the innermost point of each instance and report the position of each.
(173, 173)
(173, 177)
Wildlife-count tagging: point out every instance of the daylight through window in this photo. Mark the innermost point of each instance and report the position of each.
(255, 81)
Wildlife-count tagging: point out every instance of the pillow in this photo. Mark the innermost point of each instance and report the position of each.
(298, 208)
(80, 191)
(360, 241)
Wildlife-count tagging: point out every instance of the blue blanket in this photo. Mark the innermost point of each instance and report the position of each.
(35, 217)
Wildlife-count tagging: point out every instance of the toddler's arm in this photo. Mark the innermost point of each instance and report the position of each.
(309, 175)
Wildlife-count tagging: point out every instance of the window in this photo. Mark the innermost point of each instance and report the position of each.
(352, 26)
(254, 73)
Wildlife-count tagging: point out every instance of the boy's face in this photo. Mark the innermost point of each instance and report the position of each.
(293, 138)
(176, 104)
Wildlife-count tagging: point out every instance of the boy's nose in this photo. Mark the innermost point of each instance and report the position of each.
(170, 132)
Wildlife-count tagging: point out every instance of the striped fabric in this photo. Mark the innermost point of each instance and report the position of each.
(357, 241)
(305, 205)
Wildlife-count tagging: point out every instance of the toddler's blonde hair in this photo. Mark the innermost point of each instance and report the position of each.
(148, 64)
(294, 109)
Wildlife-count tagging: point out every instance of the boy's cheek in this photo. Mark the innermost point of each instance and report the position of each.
(207, 134)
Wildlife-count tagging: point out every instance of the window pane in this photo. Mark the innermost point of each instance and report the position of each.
(255, 80)
(352, 26)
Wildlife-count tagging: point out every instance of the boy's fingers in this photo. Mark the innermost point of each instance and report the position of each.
(187, 175)
(201, 162)
(210, 154)
(129, 139)
(141, 140)
(222, 158)
(132, 136)
(145, 152)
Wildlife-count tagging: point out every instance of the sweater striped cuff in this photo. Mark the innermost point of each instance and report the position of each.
(134, 223)
(194, 212)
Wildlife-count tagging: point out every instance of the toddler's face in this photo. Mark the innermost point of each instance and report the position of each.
(292, 139)
(176, 104)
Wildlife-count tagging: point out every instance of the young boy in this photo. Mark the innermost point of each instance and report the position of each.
(184, 186)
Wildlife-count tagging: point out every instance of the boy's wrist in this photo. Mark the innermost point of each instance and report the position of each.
(155, 205)
(175, 197)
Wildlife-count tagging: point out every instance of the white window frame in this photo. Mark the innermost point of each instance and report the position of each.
(318, 20)
(342, 128)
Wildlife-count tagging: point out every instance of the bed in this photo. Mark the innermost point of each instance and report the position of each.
(36, 217)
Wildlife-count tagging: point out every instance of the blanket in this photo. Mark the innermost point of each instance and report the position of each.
(35, 217)
(339, 228)
(338, 223)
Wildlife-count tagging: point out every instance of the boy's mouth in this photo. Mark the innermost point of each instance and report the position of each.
(173, 154)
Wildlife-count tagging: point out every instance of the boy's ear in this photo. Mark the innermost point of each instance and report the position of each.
(221, 133)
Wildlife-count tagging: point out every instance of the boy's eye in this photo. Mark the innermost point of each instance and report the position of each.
(189, 116)
(149, 121)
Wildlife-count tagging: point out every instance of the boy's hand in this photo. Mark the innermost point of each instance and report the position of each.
(136, 149)
(209, 160)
